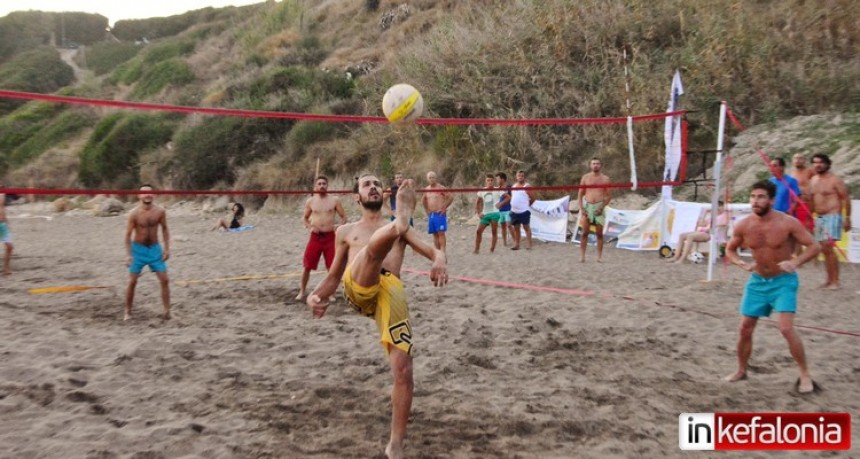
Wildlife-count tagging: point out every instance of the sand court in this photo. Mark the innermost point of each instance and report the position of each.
(598, 360)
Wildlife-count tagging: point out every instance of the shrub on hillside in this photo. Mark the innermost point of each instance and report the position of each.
(110, 156)
(212, 151)
(64, 126)
(40, 70)
(174, 72)
(106, 56)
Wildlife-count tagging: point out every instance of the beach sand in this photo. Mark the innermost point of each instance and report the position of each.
(601, 369)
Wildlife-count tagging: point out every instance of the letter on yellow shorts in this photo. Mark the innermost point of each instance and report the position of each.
(386, 302)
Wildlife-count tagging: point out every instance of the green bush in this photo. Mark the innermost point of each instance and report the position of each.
(305, 133)
(63, 127)
(213, 151)
(110, 156)
(24, 123)
(40, 70)
(174, 72)
(106, 56)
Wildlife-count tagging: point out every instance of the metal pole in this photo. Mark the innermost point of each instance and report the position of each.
(718, 165)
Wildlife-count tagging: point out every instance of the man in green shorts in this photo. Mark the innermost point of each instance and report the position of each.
(487, 208)
(593, 198)
(772, 237)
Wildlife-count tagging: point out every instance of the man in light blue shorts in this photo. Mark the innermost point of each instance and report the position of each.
(772, 236)
(143, 248)
(830, 200)
(504, 206)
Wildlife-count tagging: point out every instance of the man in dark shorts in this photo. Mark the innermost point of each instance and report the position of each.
(521, 201)
(771, 236)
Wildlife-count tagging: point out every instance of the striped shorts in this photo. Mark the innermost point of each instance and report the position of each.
(828, 228)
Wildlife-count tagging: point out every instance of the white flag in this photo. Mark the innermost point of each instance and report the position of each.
(673, 135)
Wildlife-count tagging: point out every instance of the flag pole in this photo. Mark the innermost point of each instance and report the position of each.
(630, 150)
(718, 165)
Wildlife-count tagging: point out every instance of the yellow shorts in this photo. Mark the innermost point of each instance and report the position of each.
(386, 303)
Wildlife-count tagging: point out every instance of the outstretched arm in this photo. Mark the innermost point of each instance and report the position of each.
(803, 237)
(318, 300)
(733, 245)
(439, 268)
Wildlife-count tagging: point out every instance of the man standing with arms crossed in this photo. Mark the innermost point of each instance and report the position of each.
(436, 201)
(829, 198)
(592, 202)
(141, 244)
(319, 219)
(772, 237)
(368, 259)
(521, 202)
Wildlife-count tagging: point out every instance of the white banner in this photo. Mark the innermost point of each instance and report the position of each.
(549, 220)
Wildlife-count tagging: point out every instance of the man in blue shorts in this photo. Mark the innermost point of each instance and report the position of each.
(436, 201)
(5, 237)
(141, 244)
(772, 237)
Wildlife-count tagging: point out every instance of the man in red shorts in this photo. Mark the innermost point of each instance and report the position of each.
(319, 218)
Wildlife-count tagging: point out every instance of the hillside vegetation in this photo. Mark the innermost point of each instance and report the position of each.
(772, 60)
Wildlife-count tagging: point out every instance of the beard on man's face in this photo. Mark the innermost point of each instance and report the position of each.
(370, 205)
(761, 210)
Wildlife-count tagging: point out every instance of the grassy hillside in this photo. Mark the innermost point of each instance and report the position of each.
(496, 59)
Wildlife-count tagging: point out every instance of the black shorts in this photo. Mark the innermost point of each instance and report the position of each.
(522, 218)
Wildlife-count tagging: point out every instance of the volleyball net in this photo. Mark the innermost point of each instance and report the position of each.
(630, 132)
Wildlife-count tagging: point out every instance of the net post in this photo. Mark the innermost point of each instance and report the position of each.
(715, 196)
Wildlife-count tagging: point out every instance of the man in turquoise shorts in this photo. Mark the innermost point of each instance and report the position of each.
(486, 207)
(5, 237)
(141, 244)
(772, 236)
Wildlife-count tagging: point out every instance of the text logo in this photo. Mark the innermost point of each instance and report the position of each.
(764, 431)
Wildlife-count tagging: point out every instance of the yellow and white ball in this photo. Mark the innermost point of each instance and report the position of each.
(402, 102)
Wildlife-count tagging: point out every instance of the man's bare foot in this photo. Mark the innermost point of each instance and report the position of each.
(127, 317)
(394, 452)
(7, 273)
(805, 385)
(735, 377)
(600, 260)
(582, 259)
(166, 315)
(516, 247)
(300, 296)
(829, 286)
(406, 200)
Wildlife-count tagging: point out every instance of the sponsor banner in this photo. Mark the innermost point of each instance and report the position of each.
(764, 431)
(549, 220)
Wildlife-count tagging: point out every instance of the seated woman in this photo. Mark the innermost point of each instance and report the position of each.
(702, 233)
(236, 221)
